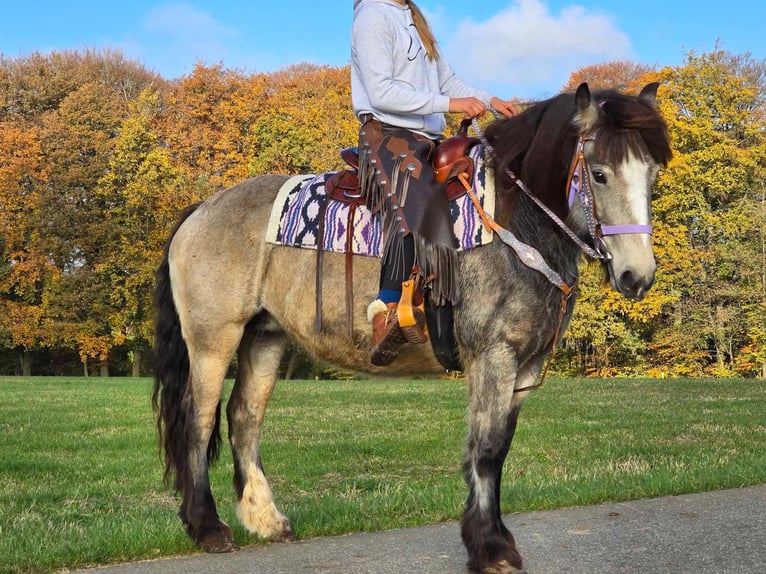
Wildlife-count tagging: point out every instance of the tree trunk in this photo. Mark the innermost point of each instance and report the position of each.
(103, 369)
(291, 365)
(85, 368)
(25, 359)
(136, 368)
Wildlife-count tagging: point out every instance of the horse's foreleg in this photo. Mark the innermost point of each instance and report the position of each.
(202, 406)
(259, 358)
(494, 410)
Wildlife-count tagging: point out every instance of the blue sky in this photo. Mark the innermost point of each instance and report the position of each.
(522, 48)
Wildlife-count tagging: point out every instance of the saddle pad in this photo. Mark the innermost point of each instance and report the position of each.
(295, 215)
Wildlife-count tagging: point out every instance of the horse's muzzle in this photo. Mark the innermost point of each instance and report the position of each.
(632, 283)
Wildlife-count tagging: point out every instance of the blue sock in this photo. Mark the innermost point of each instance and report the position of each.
(389, 296)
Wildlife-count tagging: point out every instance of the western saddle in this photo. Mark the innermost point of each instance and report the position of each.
(450, 161)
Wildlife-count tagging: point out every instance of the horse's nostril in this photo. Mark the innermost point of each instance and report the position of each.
(628, 280)
(634, 285)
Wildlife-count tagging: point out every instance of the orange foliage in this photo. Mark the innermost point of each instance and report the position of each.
(620, 75)
(97, 156)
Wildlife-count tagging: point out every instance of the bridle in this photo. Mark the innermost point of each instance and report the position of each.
(578, 186)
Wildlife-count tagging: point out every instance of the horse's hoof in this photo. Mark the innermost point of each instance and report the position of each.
(286, 537)
(219, 540)
(221, 547)
(502, 567)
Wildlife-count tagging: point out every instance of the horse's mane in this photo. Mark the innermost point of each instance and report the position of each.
(630, 125)
(538, 144)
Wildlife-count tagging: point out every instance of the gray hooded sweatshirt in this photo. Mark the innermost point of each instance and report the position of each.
(392, 78)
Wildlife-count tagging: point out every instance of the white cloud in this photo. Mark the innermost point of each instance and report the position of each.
(526, 48)
(181, 35)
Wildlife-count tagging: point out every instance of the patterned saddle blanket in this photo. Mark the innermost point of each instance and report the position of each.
(294, 218)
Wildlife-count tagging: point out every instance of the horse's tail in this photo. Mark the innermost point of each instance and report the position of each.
(171, 376)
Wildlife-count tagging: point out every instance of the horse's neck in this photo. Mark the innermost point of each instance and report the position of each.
(518, 214)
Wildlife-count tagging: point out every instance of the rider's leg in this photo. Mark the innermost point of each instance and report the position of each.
(387, 336)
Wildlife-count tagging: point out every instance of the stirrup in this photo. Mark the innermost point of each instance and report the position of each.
(412, 317)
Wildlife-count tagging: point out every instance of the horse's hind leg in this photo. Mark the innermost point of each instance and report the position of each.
(260, 353)
(207, 369)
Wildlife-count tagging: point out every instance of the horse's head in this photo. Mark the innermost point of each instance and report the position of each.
(623, 143)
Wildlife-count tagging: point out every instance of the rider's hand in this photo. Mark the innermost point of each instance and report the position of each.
(503, 106)
(469, 107)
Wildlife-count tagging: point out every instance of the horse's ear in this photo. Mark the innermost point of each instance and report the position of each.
(649, 93)
(587, 112)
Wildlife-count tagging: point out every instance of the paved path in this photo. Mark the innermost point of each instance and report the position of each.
(716, 532)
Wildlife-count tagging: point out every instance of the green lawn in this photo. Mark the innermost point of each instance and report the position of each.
(81, 477)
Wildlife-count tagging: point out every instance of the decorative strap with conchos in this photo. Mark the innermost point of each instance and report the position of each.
(527, 254)
(532, 258)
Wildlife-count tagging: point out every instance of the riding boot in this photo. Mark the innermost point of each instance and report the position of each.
(388, 333)
(387, 336)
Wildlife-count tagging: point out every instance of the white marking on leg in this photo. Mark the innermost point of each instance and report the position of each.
(256, 510)
(481, 491)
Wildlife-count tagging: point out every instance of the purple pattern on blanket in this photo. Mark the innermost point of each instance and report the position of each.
(299, 217)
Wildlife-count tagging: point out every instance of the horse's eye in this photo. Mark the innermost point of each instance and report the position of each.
(599, 177)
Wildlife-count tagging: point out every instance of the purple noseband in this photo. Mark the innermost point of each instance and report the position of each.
(626, 228)
(579, 187)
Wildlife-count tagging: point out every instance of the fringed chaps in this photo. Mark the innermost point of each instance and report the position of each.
(397, 179)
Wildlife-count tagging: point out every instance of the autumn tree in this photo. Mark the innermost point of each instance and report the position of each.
(141, 194)
(37, 84)
(305, 121)
(77, 137)
(713, 191)
(620, 75)
(32, 92)
(25, 271)
(206, 123)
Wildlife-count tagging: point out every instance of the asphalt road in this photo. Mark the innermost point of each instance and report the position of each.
(717, 532)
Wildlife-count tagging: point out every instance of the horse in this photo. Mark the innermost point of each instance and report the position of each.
(572, 172)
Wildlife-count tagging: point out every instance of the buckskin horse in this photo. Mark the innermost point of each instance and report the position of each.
(572, 173)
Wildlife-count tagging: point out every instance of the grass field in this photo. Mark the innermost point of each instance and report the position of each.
(81, 477)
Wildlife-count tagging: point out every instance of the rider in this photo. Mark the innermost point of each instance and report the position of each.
(401, 87)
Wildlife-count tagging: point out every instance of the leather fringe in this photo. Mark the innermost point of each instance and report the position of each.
(389, 198)
(439, 267)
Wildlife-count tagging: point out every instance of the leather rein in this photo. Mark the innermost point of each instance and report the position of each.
(578, 186)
